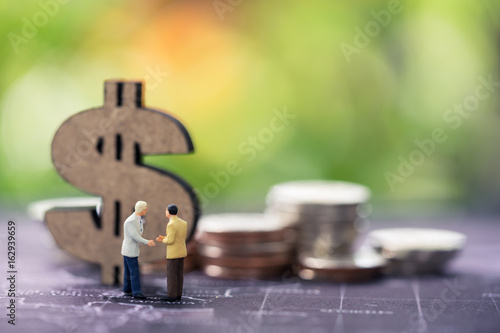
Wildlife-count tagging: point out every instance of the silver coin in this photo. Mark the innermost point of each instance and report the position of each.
(416, 251)
(327, 241)
(327, 215)
(307, 212)
(363, 258)
(317, 193)
(240, 223)
(314, 218)
(323, 246)
(360, 266)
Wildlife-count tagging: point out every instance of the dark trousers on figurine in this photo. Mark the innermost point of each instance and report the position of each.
(175, 277)
(131, 278)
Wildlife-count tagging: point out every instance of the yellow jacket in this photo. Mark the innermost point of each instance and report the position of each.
(176, 238)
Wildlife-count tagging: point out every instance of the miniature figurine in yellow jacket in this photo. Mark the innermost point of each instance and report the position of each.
(176, 238)
(176, 252)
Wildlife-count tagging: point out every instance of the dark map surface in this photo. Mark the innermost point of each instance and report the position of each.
(58, 293)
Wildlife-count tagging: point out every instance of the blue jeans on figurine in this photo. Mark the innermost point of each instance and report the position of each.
(131, 278)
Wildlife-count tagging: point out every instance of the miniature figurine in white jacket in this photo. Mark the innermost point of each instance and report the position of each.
(132, 239)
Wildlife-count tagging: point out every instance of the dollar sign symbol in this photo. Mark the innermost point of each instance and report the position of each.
(100, 152)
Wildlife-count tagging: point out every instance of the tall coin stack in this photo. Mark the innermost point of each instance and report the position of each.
(244, 246)
(326, 215)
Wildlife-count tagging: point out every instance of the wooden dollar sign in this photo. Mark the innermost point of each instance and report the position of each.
(100, 151)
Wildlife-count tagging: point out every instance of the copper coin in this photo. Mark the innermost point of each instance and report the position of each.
(242, 228)
(228, 239)
(271, 260)
(191, 264)
(244, 273)
(262, 249)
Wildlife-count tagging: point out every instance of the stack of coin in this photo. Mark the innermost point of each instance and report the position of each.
(412, 251)
(191, 260)
(244, 246)
(327, 216)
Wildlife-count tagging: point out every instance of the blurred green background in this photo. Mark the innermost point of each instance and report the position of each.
(360, 81)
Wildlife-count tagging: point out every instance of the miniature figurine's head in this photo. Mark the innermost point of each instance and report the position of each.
(171, 211)
(141, 208)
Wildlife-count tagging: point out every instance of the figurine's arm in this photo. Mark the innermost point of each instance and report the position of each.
(134, 234)
(169, 239)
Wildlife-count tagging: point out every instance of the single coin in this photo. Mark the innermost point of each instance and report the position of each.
(323, 248)
(358, 267)
(318, 192)
(244, 273)
(408, 239)
(238, 228)
(315, 213)
(231, 239)
(348, 230)
(326, 239)
(306, 202)
(243, 250)
(270, 260)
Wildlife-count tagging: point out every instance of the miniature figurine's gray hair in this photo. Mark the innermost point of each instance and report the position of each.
(140, 206)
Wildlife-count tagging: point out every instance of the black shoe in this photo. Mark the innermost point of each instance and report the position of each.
(169, 299)
(127, 294)
(179, 298)
(140, 296)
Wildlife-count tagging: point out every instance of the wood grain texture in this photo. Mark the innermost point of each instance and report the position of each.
(100, 152)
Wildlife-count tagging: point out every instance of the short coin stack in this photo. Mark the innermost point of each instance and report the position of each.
(244, 246)
(326, 215)
(412, 251)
